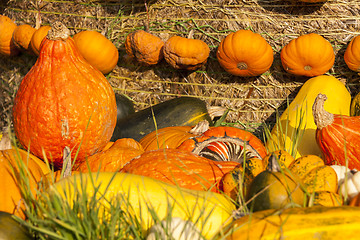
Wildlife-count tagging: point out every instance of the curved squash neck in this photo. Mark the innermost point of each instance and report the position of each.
(322, 118)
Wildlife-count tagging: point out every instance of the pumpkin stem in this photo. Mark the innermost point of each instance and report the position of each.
(66, 162)
(273, 164)
(242, 66)
(322, 118)
(200, 127)
(307, 68)
(58, 31)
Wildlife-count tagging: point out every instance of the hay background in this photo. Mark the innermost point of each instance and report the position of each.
(253, 101)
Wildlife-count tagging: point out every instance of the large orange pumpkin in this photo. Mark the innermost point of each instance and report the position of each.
(10, 192)
(63, 102)
(245, 53)
(308, 55)
(181, 168)
(7, 46)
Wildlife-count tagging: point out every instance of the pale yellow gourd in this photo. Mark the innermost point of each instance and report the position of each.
(140, 196)
(299, 116)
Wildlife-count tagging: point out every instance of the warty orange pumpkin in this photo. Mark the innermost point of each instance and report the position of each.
(245, 53)
(63, 103)
(308, 55)
(7, 46)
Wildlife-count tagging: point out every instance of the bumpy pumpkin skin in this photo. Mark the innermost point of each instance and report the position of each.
(37, 38)
(186, 53)
(144, 47)
(63, 101)
(7, 46)
(97, 50)
(352, 54)
(245, 53)
(308, 55)
(22, 37)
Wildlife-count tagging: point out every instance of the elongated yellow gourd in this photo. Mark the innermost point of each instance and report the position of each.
(316, 222)
(142, 196)
(299, 116)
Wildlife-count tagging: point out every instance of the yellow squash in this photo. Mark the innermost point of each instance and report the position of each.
(316, 222)
(299, 116)
(140, 196)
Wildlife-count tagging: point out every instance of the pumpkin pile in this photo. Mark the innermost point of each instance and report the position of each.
(170, 166)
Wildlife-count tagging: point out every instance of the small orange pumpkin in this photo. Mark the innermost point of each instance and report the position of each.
(352, 54)
(245, 53)
(38, 37)
(22, 37)
(308, 55)
(144, 47)
(113, 158)
(7, 46)
(186, 53)
(97, 50)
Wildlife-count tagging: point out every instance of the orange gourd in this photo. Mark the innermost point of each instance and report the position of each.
(63, 103)
(352, 54)
(245, 53)
(355, 201)
(10, 160)
(181, 168)
(308, 55)
(22, 37)
(37, 37)
(7, 46)
(97, 50)
(186, 53)
(144, 47)
(113, 158)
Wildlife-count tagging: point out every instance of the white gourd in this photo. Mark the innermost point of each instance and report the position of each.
(351, 187)
(342, 173)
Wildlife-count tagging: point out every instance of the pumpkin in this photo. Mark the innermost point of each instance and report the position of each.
(113, 158)
(326, 198)
(352, 56)
(7, 46)
(245, 53)
(10, 161)
(295, 130)
(340, 222)
(97, 50)
(143, 197)
(11, 229)
(144, 47)
(308, 55)
(226, 144)
(180, 111)
(186, 53)
(355, 201)
(355, 105)
(350, 187)
(181, 168)
(172, 137)
(22, 37)
(63, 103)
(37, 37)
(337, 135)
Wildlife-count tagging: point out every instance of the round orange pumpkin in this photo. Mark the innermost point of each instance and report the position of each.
(308, 55)
(10, 160)
(63, 102)
(7, 46)
(144, 47)
(186, 53)
(97, 50)
(38, 37)
(22, 37)
(352, 54)
(245, 53)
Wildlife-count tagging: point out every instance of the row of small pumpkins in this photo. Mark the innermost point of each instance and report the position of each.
(241, 53)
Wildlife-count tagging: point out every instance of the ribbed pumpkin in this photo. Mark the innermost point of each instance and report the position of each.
(245, 53)
(186, 53)
(352, 54)
(113, 158)
(7, 46)
(22, 37)
(337, 135)
(144, 47)
(97, 50)
(179, 167)
(63, 102)
(308, 55)
(37, 38)
(10, 193)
